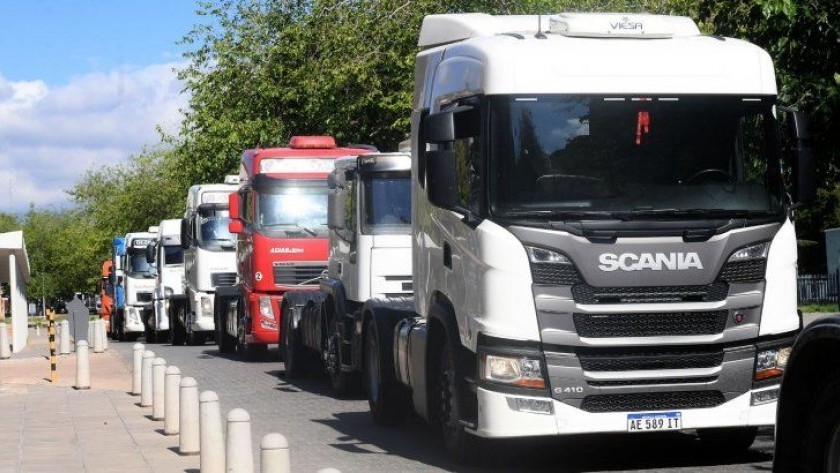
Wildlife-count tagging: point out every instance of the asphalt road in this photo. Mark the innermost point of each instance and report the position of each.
(325, 431)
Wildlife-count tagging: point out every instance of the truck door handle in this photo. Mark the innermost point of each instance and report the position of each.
(447, 255)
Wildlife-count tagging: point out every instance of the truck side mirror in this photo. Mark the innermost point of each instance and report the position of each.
(236, 226)
(449, 125)
(440, 178)
(150, 252)
(805, 186)
(233, 205)
(185, 233)
(335, 211)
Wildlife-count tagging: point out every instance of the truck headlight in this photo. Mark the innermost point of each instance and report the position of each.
(207, 306)
(541, 255)
(523, 371)
(752, 252)
(267, 314)
(771, 363)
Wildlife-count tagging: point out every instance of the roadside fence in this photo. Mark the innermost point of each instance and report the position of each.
(818, 288)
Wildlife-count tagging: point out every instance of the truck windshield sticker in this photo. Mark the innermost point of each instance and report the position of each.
(214, 197)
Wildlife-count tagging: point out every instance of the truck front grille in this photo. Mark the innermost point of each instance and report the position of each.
(294, 274)
(650, 324)
(652, 382)
(586, 294)
(743, 271)
(650, 360)
(660, 401)
(223, 279)
(144, 297)
(554, 274)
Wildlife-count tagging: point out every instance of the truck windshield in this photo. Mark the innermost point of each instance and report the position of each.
(298, 212)
(138, 266)
(386, 205)
(214, 233)
(173, 255)
(634, 157)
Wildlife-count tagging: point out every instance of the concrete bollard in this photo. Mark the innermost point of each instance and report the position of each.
(90, 333)
(188, 439)
(137, 371)
(212, 457)
(274, 454)
(146, 379)
(64, 338)
(104, 334)
(37, 329)
(329, 470)
(171, 388)
(158, 377)
(98, 344)
(82, 366)
(238, 456)
(5, 351)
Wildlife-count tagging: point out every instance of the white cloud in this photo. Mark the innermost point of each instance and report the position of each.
(49, 135)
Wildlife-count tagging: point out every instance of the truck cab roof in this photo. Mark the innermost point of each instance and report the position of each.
(592, 54)
(299, 158)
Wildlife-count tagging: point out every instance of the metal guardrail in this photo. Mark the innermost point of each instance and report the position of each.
(818, 288)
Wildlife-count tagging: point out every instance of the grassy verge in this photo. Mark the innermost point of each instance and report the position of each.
(819, 308)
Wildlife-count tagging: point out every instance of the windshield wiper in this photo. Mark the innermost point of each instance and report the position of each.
(648, 212)
(296, 225)
(566, 214)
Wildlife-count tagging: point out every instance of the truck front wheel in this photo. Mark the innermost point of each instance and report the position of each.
(291, 346)
(226, 343)
(461, 445)
(178, 331)
(388, 400)
(821, 432)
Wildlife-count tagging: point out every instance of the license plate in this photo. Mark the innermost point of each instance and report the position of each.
(654, 421)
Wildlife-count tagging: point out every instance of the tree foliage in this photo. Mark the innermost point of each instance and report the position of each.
(260, 71)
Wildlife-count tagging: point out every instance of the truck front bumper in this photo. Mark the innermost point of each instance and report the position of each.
(134, 319)
(498, 416)
(264, 328)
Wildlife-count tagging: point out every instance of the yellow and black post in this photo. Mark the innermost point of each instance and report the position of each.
(53, 359)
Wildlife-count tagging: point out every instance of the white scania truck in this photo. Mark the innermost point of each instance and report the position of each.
(369, 219)
(601, 233)
(167, 257)
(209, 260)
(139, 284)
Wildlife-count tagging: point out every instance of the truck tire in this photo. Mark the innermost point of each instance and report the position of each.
(121, 325)
(247, 351)
(387, 399)
(149, 330)
(462, 446)
(821, 432)
(291, 347)
(178, 332)
(728, 440)
(225, 342)
(162, 336)
(343, 382)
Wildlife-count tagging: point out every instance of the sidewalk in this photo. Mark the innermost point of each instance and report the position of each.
(52, 427)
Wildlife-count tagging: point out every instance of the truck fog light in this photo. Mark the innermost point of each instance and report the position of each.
(771, 363)
(764, 397)
(207, 306)
(533, 406)
(513, 370)
(267, 314)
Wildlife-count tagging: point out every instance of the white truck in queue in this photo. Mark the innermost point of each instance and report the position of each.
(601, 233)
(209, 261)
(167, 257)
(139, 285)
(369, 219)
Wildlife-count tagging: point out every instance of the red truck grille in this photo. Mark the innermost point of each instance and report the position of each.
(294, 274)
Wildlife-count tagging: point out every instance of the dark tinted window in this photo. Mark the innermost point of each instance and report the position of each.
(387, 203)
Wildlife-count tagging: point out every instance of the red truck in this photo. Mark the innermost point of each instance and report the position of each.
(279, 215)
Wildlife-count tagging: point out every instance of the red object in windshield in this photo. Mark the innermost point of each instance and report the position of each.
(642, 125)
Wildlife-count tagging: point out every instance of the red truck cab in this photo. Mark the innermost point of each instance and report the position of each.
(279, 215)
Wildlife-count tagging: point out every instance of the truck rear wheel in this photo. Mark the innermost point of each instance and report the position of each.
(387, 399)
(342, 382)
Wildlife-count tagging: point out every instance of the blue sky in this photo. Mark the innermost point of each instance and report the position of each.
(56, 40)
(83, 84)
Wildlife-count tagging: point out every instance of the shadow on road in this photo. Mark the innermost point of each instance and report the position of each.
(583, 453)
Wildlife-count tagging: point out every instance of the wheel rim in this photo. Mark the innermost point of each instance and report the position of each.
(832, 460)
(373, 370)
